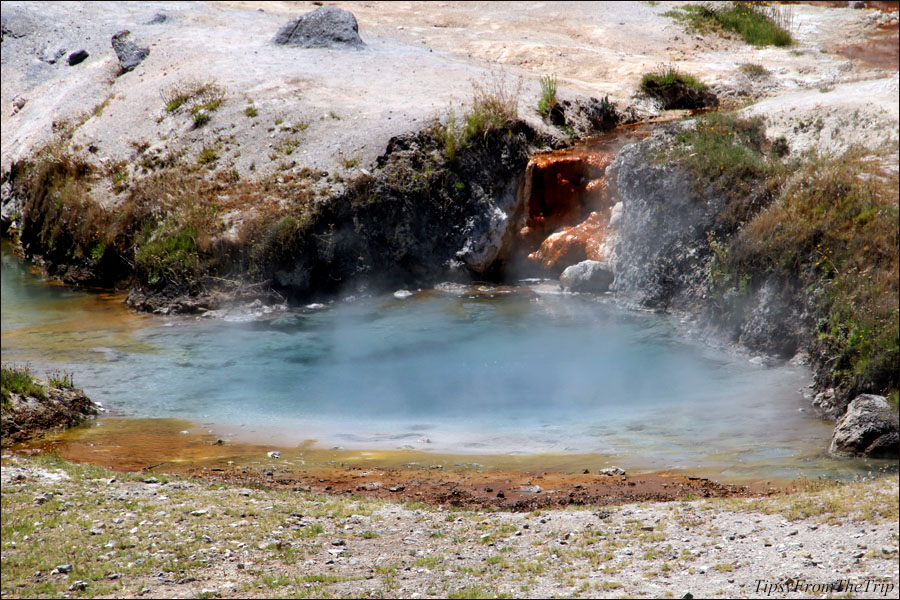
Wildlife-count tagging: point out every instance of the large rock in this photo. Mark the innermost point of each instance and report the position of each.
(587, 276)
(869, 428)
(129, 54)
(326, 27)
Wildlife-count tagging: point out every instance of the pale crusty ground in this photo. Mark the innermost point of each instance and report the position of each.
(165, 537)
(419, 63)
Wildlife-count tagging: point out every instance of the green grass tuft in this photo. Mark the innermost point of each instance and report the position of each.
(548, 94)
(756, 23)
(18, 380)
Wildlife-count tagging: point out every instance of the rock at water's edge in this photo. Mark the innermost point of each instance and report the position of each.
(587, 276)
(29, 416)
(129, 54)
(869, 428)
(325, 27)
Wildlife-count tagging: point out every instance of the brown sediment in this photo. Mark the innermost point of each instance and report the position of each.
(881, 51)
(509, 482)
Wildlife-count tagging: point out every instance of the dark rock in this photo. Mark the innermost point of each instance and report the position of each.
(158, 18)
(77, 57)
(400, 228)
(325, 27)
(857, 4)
(129, 54)
(587, 276)
(679, 95)
(869, 428)
(29, 416)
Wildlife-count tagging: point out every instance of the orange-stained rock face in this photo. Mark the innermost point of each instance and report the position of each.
(574, 244)
(567, 207)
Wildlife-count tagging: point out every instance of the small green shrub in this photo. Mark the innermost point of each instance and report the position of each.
(548, 94)
(668, 76)
(208, 155)
(251, 112)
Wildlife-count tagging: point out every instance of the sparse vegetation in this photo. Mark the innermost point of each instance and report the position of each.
(758, 23)
(548, 94)
(754, 70)
(201, 98)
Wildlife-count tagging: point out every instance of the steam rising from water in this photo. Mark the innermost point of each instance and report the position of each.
(527, 372)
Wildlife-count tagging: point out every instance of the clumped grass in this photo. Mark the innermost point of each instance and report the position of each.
(758, 23)
(730, 151)
(18, 380)
(495, 103)
(251, 112)
(836, 222)
(548, 94)
(754, 70)
(667, 76)
(208, 155)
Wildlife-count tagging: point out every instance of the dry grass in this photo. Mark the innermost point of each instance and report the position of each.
(836, 226)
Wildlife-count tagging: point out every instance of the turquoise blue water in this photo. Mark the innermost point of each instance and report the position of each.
(529, 371)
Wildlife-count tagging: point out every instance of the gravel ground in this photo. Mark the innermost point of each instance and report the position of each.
(123, 535)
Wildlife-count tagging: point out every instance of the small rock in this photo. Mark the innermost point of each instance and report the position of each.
(702, 569)
(67, 568)
(530, 489)
(274, 454)
(77, 57)
(151, 480)
(612, 471)
(78, 586)
(199, 512)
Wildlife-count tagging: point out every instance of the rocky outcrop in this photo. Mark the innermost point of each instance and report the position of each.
(868, 428)
(587, 276)
(415, 220)
(663, 252)
(325, 27)
(28, 416)
(129, 54)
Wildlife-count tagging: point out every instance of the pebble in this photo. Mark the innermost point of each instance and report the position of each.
(67, 568)
(78, 586)
(199, 512)
(274, 454)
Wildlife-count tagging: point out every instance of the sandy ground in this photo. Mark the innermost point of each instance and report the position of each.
(419, 63)
(119, 535)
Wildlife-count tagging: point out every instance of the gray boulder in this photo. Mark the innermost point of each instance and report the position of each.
(587, 276)
(129, 54)
(868, 428)
(325, 27)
